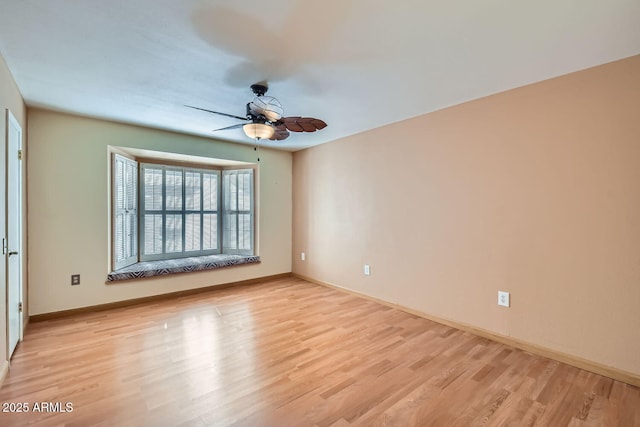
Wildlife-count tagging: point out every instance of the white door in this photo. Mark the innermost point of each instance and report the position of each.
(3, 224)
(14, 232)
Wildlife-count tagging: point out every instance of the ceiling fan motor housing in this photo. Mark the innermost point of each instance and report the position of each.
(254, 116)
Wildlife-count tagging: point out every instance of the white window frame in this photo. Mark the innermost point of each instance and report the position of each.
(125, 217)
(232, 212)
(182, 212)
(136, 242)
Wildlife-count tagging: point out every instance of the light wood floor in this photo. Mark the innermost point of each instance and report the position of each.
(291, 353)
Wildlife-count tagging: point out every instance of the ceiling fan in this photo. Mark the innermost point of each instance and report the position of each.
(264, 118)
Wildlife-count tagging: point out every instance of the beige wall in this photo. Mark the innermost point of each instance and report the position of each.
(535, 191)
(10, 98)
(69, 210)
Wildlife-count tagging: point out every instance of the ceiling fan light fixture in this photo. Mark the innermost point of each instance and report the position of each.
(258, 130)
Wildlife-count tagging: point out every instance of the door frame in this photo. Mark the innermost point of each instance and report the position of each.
(14, 154)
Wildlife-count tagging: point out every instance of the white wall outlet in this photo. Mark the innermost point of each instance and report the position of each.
(503, 298)
(367, 270)
(302, 257)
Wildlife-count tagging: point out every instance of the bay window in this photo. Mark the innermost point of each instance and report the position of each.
(164, 211)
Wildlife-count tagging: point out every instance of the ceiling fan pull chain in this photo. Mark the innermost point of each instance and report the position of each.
(256, 148)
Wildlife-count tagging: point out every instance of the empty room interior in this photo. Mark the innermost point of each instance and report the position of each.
(320, 214)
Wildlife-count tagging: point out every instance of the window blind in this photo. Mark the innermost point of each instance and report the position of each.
(125, 211)
(237, 190)
(180, 212)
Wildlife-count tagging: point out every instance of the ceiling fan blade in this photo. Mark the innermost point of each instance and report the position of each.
(217, 112)
(302, 124)
(229, 127)
(280, 134)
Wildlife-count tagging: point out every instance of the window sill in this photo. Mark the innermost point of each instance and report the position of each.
(182, 265)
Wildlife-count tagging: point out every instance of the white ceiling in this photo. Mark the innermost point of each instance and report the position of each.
(356, 64)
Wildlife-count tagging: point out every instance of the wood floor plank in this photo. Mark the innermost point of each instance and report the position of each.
(290, 353)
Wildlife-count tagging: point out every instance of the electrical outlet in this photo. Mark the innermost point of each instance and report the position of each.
(302, 256)
(367, 270)
(75, 279)
(503, 298)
